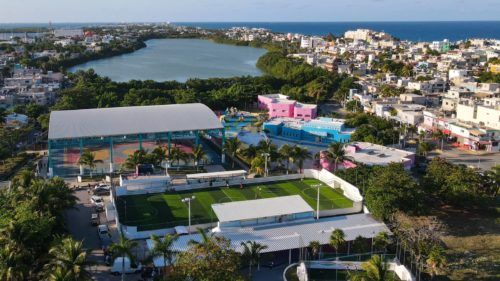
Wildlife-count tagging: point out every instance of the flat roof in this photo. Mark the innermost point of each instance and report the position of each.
(375, 154)
(119, 121)
(295, 234)
(260, 208)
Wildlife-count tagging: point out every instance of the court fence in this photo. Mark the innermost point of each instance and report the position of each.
(327, 178)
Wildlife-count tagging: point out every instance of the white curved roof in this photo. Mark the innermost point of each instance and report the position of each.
(118, 121)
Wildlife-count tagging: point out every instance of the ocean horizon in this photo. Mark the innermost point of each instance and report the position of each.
(405, 30)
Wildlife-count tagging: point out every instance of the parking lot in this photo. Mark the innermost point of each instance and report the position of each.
(79, 226)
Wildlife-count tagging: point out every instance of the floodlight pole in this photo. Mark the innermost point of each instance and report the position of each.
(188, 200)
(317, 201)
(266, 172)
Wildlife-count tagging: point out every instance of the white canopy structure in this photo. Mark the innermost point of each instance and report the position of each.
(260, 208)
(119, 121)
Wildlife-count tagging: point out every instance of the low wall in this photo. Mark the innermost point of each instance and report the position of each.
(400, 270)
(131, 232)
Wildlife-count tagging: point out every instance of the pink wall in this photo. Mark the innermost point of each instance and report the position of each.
(303, 111)
(281, 110)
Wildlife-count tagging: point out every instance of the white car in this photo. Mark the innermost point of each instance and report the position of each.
(102, 186)
(103, 232)
(124, 265)
(97, 201)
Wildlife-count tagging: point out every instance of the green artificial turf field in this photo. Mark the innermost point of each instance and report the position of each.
(162, 210)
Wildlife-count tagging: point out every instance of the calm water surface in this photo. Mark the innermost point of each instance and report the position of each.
(179, 59)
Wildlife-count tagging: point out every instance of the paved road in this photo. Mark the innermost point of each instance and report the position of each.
(458, 156)
(78, 222)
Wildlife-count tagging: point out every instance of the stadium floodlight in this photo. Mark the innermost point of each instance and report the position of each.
(188, 200)
(318, 185)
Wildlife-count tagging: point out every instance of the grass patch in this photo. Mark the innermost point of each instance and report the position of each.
(155, 211)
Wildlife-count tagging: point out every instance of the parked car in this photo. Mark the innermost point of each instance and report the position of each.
(124, 265)
(97, 201)
(102, 186)
(103, 232)
(94, 219)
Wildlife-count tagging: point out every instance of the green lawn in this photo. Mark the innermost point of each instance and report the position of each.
(155, 211)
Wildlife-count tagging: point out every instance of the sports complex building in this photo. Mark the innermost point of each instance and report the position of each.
(114, 133)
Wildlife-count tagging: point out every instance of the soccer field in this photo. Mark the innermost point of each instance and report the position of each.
(162, 210)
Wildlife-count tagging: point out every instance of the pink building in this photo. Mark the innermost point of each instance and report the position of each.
(279, 105)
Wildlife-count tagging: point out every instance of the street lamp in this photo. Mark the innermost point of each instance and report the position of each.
(167, 165)
(188, 200)
(266, 155)
(318, 185)
(257, 193)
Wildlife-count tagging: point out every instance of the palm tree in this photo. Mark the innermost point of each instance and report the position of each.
(258, 165)
(59, 275)
(163, 248)
(88, 159)
(251, 253)
(375, 269)
(197, 155)
(359, 244)
(12, 262)
(335, 153)
(439, 136)
(300, 155)
(436, 260)
(337, 238)
(424, 148)
(158, 155)
(232, 147)
(123, 249)
(70, 258)
(204, 238)
(138, 157)
(381, 241)
(315, 246)
(178, 154)
(286, 152)
(250, 152)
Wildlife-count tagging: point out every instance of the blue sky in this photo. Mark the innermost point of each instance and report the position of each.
(246, 10)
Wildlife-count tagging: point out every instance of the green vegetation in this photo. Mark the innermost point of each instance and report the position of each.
(31, 222)
(372, 129)
(154, 211)
(446, 217)
(212, 259)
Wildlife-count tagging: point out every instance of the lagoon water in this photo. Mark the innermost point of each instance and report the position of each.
(178, 59)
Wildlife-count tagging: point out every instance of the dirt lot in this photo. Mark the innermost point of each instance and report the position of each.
(473, 243)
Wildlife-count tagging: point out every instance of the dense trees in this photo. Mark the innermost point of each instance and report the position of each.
(30, 219)
(211, 260)
(390, 189)
(460, 185)
(372, 128)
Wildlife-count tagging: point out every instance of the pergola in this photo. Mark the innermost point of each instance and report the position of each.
(78, 128)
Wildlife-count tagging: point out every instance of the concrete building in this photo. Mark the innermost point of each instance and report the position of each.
(279, 105)
(378, 155)
(320, 130)
(486, 113)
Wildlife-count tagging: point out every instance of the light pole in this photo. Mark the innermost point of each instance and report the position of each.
(266, 155)
(188, 200)
(167, 165)
(318, 185)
